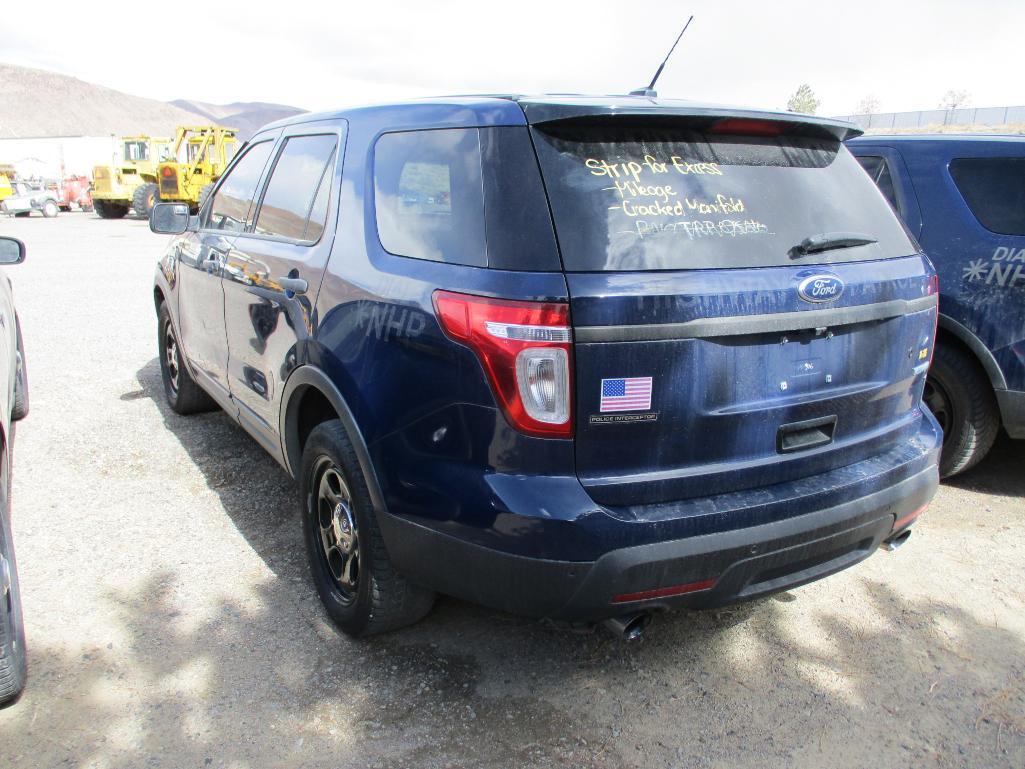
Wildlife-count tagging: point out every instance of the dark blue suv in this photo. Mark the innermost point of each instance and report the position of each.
(963, 197)
(577, 358)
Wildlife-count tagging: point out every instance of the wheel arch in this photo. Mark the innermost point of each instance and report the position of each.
(950, 327)
(309, 398)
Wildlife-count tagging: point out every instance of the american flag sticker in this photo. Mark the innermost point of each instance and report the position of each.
(626, 394)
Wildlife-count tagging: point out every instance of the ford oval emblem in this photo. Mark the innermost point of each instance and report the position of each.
(820, 288)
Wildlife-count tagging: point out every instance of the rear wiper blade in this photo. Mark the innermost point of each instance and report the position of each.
(827, 241)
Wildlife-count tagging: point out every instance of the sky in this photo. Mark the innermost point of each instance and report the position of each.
(905, 54)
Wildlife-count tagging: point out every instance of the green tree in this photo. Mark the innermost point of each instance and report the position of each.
(803, 100)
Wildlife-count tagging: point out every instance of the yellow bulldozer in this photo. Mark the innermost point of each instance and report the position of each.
(131, 185)
(201, 155)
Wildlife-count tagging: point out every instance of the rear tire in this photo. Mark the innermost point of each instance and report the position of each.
(184, 396)
(359, 587)
(204, 194)
(144, 198)
(50, 209)
(13, 668)
(959, 394)
(107, 210)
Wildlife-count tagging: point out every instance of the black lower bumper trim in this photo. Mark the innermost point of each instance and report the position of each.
(745, 563)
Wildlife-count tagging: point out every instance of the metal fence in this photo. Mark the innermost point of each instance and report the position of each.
(988, 116)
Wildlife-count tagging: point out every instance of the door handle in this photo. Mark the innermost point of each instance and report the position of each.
(214, 259)
(292, 285)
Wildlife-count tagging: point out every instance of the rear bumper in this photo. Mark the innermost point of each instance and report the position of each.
(728, 566)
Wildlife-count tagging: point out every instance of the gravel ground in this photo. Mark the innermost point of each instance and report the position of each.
(171, 622)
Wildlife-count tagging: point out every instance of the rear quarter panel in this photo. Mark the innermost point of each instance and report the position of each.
(982, 273)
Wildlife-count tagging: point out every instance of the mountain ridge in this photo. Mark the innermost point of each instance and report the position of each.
(40, 104)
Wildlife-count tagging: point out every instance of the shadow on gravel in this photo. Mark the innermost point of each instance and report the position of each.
(275, 687)
(914, 682)
(999, 473)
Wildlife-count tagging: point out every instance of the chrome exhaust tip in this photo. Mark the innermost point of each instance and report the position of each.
(893, 543)
(629, 627)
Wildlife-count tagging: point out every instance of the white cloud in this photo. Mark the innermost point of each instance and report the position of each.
(324, 55)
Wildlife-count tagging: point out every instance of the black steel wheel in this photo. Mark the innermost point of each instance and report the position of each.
(936, 398)
(339, 532)
(361, 590)
(182, 392)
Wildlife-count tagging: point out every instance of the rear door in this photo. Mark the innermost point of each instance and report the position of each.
(273, 272)
(201, 264)
(746, 307)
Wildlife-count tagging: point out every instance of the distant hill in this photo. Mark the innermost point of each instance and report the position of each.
(247, 117)
(37, 103)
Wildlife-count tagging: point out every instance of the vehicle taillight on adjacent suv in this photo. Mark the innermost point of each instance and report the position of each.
(526, 351)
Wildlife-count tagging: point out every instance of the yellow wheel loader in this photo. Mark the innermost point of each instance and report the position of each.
(7, 179)
(202, 153)
(131, 185)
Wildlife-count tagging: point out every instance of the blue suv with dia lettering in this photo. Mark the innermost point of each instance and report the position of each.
(581, 358)
(963, 197)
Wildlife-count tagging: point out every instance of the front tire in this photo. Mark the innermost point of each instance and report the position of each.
(183, 395)
(204, 194)
(107, 210)
(359, 587)
(20, 408)
(50, 209)
(961, 398)
(13, 668)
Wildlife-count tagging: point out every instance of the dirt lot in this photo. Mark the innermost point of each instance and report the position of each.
(171, 622)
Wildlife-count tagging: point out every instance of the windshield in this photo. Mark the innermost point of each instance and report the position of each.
(654, 198)
(136, 151)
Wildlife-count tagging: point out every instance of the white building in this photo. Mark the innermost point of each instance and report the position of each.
(52, 157)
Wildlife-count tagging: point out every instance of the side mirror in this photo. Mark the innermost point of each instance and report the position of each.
(12, 251)
(169, 218)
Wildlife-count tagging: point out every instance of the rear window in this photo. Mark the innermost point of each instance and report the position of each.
(994, 189)
(663, 198)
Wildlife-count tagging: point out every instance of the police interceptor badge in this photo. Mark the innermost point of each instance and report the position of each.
(624, 394)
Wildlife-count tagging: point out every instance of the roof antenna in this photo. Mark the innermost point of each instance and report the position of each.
(650, 90)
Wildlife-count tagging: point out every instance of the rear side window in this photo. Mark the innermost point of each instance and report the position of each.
(229, 210)
(429, 196)
(879, 171)
(641, 196)
(994, 189)
(295, 203)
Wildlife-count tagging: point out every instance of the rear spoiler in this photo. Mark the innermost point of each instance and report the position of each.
(618, 110)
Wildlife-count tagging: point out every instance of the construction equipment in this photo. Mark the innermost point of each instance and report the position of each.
(7, 178)
(131, 184)
(202, 153)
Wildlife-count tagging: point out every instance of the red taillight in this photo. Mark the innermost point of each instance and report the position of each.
(167, 172)
(526, 350)
(665, 592)
(747, 127)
